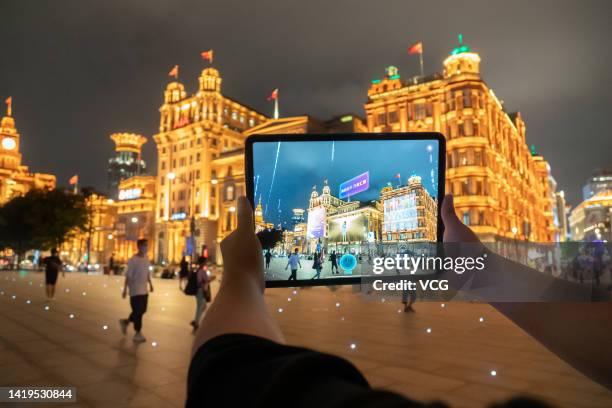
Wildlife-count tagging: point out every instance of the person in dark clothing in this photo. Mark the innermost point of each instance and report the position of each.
(183, 271)
(268, 259)
(334, 262)
(239, 351)
(111, 265)
(52, 267)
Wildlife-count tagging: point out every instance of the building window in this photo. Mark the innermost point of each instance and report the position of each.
(242, 118)
(229, 193)
(393, 117)
(234, 115)
(251, 122)
(420, 111)
(213, 210)
(197, 174)
(198, 157)
(213, 192)
(467, 98)
(228, 221)
(466, 218)
(381, 119)
(163, 165)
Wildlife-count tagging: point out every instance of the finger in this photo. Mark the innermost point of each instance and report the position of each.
(245, 214)
(448, 210)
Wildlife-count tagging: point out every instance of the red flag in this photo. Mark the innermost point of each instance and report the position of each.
(273, 96)
(207, 55)
(174, 72)
(398, 176)
(73, 180)
(416, 48)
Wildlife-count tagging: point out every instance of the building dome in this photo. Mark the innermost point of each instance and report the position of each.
(210, 80)
(462, 61)
(326, 189)
(175, 91)
(314, 193)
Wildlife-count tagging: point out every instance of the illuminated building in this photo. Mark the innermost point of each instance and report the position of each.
(95, 244)
(599, 182)
(15, 179)
(410, 213)
(560, 214)
(501, 190)
(352, 225)
(260, 224)
(591, 220)
(135, 215)
(200, 171)
(297, 217)
(127, 161)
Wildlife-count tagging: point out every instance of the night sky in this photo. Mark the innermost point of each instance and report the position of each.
(79, 71)
(301, 165)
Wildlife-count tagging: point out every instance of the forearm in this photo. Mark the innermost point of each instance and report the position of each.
(239, 307)
(569, 319)
(578, 333)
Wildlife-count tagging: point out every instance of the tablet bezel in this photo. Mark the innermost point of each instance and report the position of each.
(328, 137)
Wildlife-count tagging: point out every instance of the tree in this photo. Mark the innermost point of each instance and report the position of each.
(41, 219)
(269, 237)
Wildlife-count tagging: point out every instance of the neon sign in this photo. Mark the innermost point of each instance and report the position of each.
(130, 194)
(355, 185)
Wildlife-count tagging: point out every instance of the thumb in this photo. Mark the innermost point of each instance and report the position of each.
(449, 216)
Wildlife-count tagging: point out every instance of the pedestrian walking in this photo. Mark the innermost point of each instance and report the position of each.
(294, 263)
(138, 281)
(202, 279)
(268, 257)
(52, 267)
(334, 262)
(317, 264)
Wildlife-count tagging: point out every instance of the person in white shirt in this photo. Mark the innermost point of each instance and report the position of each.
(138, 280)
(294, 262)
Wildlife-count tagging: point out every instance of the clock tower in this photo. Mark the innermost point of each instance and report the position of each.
(15, 178)
(10, 158)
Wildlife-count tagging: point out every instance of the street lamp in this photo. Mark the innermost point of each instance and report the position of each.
(134, 220)
(514, 232)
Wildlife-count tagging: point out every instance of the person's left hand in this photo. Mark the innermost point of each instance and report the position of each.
(241, 250)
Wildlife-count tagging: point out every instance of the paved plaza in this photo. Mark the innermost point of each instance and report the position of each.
(77, 342)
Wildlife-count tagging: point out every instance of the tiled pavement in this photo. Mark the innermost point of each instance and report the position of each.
(395, 351)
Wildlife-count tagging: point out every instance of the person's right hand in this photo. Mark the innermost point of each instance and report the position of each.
(454, 229)
(241, 250)
(124, 294)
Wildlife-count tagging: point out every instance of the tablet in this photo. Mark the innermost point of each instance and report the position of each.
(331, 208)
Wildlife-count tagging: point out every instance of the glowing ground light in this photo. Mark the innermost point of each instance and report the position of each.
(337, 304)
(288, 299)
(105, 327)
(295, 292)
(353, 346)
(342, 318)
(493, 373)
(28, 301)
(2, 293)
(382, 300)
(71, 316)
(84, 293)
(481, 319)
(280, 310)
(67, 290)
(399, 310)
(443, 305)
(428, 330)
(154, 343)
(46, 307)
(14, 297)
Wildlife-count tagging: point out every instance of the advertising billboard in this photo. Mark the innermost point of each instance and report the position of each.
(400, 213)
(348, 229)
(315, 228)
(355, 185)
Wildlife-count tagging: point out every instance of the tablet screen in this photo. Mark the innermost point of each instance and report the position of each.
(328, 209)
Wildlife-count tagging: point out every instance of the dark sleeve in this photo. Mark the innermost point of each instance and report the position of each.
(238, 370)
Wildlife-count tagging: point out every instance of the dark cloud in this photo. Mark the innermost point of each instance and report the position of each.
(79, 71)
